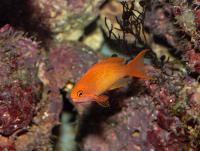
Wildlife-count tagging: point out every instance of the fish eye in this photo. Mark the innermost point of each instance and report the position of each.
(79, 93)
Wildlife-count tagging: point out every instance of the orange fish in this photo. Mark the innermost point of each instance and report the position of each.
(107, 75)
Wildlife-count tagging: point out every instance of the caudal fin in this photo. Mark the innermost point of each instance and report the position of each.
(136, 67)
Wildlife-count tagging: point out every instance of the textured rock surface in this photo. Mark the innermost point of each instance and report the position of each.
(55, 72)
(169, 22)
(66, 63)
(28, 113)
(150, 115)
(18, 84)
(160, 115)
(67, 19)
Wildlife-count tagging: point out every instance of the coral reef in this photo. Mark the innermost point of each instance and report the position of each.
(26, 117)
(46, 19)
(39, 68)
(31, 108)
(165, 21)
(63, 68)
(32, 77)
(161, 114)
(19, 84)
(64, 64)
(20, 87)
(150, 115)
(66, 19)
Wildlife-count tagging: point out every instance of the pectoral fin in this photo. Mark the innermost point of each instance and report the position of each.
(120, 83)
(102, 100)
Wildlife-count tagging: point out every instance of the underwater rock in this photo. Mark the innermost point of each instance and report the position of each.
(173, 99)
(193, 60)
(188, 18)
(20, 87)
(6, 144)
(28, 112)
(63, 65)
(19, 83)
(66, 63)
(158, 115)
(170, 25)
(150, 115)
(94, 39)
(117, 128)
(66, 19)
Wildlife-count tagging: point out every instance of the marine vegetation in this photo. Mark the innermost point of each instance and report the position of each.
(76, 75)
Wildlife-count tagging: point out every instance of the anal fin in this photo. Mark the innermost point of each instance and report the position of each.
(103, 100)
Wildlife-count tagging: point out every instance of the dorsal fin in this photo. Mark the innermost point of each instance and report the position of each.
(112, 60)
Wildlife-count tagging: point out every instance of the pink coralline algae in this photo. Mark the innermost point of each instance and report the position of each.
(197, 19)
(71, 61)
(18, 82)
(150, 115)
(176, 23)
(65, 63)
(160, 114)
(30, 108)
(194, 58)
(6, 144)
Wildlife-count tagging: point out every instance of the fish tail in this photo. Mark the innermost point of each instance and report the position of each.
(136, 67)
